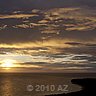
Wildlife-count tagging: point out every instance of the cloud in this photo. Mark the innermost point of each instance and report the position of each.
(49, 61)
(17, 16)
(74, 43)
(57, 23)
(82, 44)
(3, 27)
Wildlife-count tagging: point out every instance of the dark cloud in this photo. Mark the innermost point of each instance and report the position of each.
(74, 43)
(27, 5)
(78, 50)
(81, 44)
(49, 24)
(22, 4)
(91, 45)
(12, 35)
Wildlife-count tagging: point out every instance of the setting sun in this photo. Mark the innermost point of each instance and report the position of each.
(7, 64)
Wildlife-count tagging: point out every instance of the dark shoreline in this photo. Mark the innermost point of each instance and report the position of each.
(87, 88)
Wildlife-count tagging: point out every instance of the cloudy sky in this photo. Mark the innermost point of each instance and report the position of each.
(48, 35)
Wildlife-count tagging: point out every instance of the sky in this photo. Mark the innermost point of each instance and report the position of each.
(48, 35)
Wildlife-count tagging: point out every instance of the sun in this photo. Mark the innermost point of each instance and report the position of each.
(7, 64)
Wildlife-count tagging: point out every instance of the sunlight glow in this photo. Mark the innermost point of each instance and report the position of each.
(8, 63)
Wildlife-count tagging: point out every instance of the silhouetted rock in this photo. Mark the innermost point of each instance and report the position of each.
(88, 88)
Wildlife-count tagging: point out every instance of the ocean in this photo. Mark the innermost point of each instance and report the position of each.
(38, 84)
